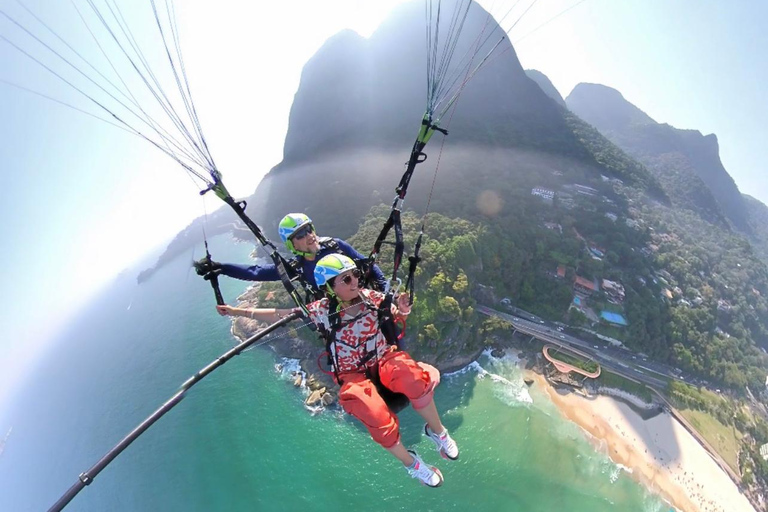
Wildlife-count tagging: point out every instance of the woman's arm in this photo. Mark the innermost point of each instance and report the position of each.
(269, 315)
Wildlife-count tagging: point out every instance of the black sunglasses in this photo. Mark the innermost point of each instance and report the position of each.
(302, 232)
(347, 279)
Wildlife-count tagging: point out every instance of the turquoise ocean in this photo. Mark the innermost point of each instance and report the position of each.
(242, 440)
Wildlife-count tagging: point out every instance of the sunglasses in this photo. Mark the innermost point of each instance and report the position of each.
(347, 279)
(302, 232)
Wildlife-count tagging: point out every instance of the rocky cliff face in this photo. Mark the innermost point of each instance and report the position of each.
(356, 92)
(758, 220)
(546, 85)
(358, 108)
(685, 161)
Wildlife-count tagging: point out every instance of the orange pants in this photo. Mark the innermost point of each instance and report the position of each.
(399, 373)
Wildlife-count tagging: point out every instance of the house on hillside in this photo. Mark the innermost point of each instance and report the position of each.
(614, 290)
(585, 190)
(545, 194)
(723, 305)
(561, 272)
(597, 253)
(584, 286)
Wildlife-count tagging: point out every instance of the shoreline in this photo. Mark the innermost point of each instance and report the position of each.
(659, 452)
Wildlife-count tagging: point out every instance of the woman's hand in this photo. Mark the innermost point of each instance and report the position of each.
(224, 310)
(403, 306)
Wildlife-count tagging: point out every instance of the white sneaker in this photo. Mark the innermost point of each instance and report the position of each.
(427, 475)
(446, 446)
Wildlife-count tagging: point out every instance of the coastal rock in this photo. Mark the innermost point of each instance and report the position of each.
(297, 380)
(497, 353)
(528, 381)
(328, 399)
(313, 398)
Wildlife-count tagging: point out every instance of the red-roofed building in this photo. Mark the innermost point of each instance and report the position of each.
(584, 286)
(561, 271)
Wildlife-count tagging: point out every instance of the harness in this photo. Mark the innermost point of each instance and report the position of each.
(384, 318)
(389, 329)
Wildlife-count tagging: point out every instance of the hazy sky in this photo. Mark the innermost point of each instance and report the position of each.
(83, 200)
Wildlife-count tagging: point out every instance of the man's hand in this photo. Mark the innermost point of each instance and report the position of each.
(205, 266)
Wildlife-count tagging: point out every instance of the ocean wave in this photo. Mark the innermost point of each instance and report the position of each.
(512, 389)
(616, 471)
(288, 368)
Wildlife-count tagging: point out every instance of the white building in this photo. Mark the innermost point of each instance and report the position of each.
(544, 193)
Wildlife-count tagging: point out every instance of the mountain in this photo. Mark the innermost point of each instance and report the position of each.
(758, 220)
(543, 82)
(686, 162)
(358, 108)
(524, 186)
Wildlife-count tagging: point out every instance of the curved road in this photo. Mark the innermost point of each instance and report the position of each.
(546, 334)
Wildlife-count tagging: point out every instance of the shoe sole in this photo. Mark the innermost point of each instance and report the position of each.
(439, 448)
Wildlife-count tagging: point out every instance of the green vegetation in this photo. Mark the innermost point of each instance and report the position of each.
(610, 156)
(443, 322)
(725, 439)
(718, 338)
(695, 292)
(729, 426)
(611, 380)
(587, 366)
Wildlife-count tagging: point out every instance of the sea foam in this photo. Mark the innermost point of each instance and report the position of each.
(504, 371)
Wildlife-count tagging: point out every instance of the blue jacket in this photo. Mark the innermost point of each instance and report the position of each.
(306, 267)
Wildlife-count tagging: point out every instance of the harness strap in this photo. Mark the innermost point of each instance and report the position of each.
(385, 320)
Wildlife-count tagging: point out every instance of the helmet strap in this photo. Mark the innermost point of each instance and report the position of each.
(294, 250)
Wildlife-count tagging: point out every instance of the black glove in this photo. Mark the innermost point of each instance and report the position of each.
(205, 266)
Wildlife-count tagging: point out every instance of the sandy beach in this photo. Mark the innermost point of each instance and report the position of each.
(660, 452)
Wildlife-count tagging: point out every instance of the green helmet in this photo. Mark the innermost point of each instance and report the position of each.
(331, 266)
(289, 225)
